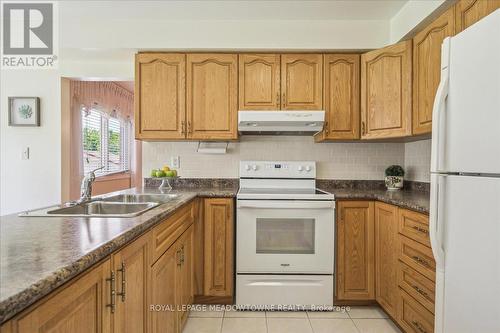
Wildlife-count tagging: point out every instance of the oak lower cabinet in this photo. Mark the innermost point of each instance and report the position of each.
(427, 68)
(131, 268)
(82, 306)
(218, 247)
(355, 251)
(386, 92)
(416, 273)
(212, 96)
(160, 89)
(341, 97)
(386, 257)
(468, 12)
(171, 283)
(301, 81)
(259, 82)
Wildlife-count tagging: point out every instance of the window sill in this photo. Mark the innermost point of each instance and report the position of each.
(113, 176)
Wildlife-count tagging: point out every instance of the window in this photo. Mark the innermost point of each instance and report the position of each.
(106, 143)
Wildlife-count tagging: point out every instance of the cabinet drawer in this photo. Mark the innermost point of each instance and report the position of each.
(415, 226)
(165, 234)
(418, 257)
(413, 317)
(417, 286)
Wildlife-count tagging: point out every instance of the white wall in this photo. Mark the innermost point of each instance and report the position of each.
(335, 160)
(417, 160)
(26, 184)
(412, 13)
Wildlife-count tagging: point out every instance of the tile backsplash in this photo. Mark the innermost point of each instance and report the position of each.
(418, 160)
(357, 160)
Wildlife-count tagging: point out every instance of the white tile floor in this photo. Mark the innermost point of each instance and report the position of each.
(359, 319)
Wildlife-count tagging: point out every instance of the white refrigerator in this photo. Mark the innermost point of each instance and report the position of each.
(465, 181)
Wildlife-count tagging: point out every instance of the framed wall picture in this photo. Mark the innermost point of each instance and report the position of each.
(24, 111)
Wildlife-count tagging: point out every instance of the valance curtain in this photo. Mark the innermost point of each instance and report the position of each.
(109, 98)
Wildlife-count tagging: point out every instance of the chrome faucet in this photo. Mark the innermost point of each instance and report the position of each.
(86, 188)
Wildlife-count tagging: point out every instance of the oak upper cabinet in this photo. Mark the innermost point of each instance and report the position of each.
(355, 251)
(160, 96)
(80, 307)
(341, 97)
(219, 247)
(386, 257)
(212, 96)
(301, 81)
(427, 68)
(386, 92)
(132, 266)
(259, 82)
(469, 12)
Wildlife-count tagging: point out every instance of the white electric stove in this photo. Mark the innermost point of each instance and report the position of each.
(285, 236)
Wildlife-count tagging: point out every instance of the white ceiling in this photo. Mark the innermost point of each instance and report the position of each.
(244, 9)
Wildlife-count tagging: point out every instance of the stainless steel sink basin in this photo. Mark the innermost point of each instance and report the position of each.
(96, 209)
(134, 198)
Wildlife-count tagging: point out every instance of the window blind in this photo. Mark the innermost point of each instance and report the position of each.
(106, 142)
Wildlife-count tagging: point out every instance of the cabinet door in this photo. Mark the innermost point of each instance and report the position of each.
(212, 90)
(81, 307)
(386, 92)
(386, 257)
(341, 97)
(219, 236)
(259, 77)
(301, 81)
(427, 68)
(355, 251)
(164, 279)
(184, 285)
(160, 90)
(469, 12)
(131, 265)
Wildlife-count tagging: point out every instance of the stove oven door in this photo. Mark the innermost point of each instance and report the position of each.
(285, 236)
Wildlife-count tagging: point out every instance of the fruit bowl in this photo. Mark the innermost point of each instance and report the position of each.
(165, 182)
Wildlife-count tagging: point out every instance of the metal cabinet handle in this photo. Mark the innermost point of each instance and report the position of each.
(420, 291)
(183, 127)
(422, 230)
(284, 99)
(422, 261)
(111, 280)
(122, 293)
(178, 257)
(189, 129)
(418, 326)
(277, 98)
(363, 128)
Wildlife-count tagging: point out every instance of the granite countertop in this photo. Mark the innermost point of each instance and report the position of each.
(38, 254)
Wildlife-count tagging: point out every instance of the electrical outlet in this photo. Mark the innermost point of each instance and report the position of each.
(25, 155)
(175, 162)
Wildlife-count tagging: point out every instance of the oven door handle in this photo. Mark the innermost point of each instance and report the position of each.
(285, 204)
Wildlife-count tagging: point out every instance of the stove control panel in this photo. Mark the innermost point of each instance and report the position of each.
(278, 169)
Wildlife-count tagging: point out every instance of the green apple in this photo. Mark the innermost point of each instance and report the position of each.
(153, 173)
(160, 173)
(175, 173)
(170, 173)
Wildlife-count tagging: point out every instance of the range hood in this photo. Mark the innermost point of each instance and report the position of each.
(281, 122)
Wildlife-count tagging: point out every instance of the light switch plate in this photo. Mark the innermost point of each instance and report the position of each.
(175, 162)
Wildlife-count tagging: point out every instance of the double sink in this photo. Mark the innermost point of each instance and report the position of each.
(122, 205)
